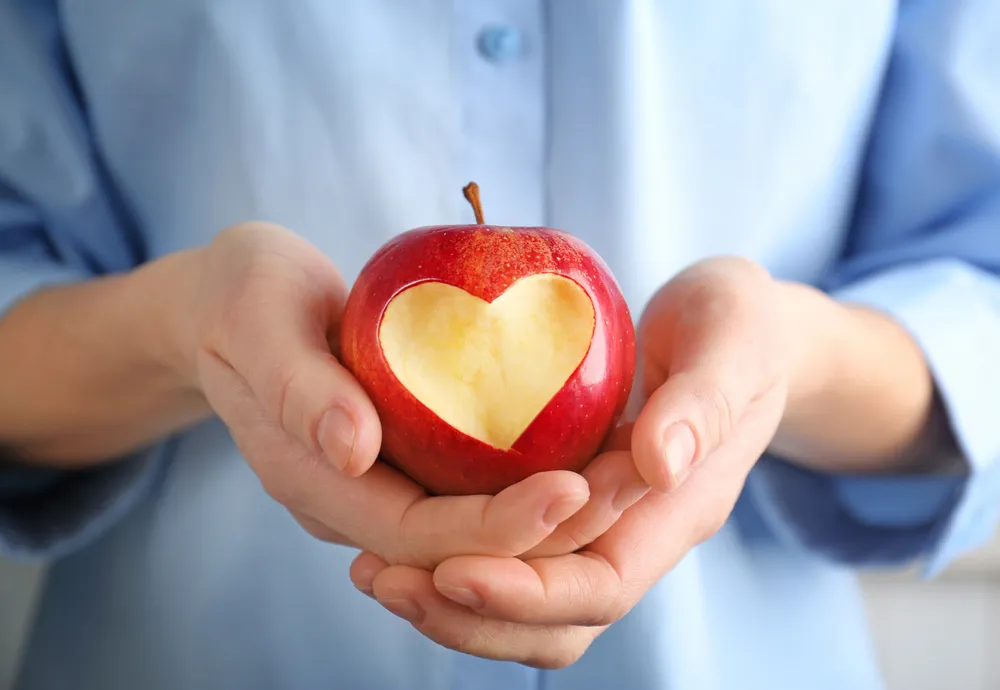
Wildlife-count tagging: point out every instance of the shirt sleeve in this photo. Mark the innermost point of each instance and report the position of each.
(60, 222)
(924, 248)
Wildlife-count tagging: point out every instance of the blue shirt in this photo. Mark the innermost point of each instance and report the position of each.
(852, 144)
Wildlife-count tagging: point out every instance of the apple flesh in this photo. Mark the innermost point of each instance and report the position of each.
(490, 353)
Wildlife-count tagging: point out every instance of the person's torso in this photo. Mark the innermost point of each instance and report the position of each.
(659, 132)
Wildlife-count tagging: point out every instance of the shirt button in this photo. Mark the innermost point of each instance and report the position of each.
(499, 43)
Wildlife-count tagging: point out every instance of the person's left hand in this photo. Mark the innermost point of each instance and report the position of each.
(714, 363)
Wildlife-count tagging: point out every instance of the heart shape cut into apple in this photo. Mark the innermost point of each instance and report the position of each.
(488, 368)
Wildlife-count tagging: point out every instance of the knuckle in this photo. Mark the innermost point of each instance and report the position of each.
(730, 276)
(407, 546)
(483, 637)
(280, 384)
(575, 537)
(585, 589)
(741, 269)
(726, 287)
(320, 530)
(495, 536)
(607, 591)
(234, 320)
(611, 614)
(718, 414)
(249, 279)
(567, 647)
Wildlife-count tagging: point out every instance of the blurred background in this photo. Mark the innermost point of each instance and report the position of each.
(942, 634)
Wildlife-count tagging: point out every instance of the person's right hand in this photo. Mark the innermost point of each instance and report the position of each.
(259, 339)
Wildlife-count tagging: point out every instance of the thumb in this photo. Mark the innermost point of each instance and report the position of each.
(311, 396)
(274, 340)
(709, 344)
(685, 420)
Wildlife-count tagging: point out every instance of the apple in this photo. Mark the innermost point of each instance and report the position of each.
(490, 353)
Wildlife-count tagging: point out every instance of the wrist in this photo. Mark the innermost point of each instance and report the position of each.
(814, 345)
(860, 395)
(167, 290)
(811, 322)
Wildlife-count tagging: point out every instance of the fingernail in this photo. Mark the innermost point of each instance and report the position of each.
(464, 596)
(563, 508)
(678, 447)
(404, 608)
(336, 436)
(628, 496)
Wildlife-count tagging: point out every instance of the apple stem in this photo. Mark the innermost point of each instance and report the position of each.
(471, 192)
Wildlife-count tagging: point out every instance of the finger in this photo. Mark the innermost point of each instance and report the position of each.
(410, 594)
(707, 355)
(684, 420)
(389, 515)
(364, 569)
(510, 523)
(383, 510)
(275, 335)
(320, 531)
(615, 485)
(348, 439)
(317, 400)
(578, 589)
(314, 493)
(651, 537)
(598, 585)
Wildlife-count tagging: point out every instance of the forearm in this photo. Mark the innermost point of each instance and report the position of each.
(89, 372)
(861, 397)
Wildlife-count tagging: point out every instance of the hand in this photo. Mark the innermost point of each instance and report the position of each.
(714, 356)
(259, 337)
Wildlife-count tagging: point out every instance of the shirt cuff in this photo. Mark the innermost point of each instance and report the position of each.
(47, 514)
(21, 276)
(952, 311)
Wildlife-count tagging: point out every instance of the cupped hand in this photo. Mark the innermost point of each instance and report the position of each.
(714, 359)
(261, 335)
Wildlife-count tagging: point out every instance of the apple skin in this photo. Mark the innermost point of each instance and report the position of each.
(484, 261)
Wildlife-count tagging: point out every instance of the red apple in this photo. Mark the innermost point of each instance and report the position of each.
(491, 353)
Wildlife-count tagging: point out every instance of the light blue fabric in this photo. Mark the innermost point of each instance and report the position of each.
(852, 144)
